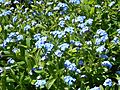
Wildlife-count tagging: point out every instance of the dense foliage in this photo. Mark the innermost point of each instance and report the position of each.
(60, 44)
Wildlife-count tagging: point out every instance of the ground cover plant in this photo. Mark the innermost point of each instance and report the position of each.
(59, 45)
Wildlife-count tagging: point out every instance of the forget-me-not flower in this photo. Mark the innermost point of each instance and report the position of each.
(69, 80)
(107, 64)
(108, 82)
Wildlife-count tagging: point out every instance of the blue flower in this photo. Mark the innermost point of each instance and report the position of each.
(33, 23)
(40, 83)
(41, 42)
(74, 1)
(2, 1)
(84, 29)
(5, 13)
(67, 17)
(72, 67)
(48, 46)
(103, 56)
(95, 88)
(77, 43)
(58, 53)
(115, 40)
(19, 37)
(101, 49)
(108, 82)
(118, 31)
(15, 50)
(69, 80)
(1, 70)
(50, 14)
(62, 6)
(81, 63)
(14, 19)
(67, 63)
(89, 21)
(13, 34)
(11, 61)
(62, 33)
(44, 57)
(101, 32)
(107, 64)
(80, 19)
(69, 30)
(37, 36)
(82, 25)
(7, 3)
(61, 23)
(72, 41)
(63, 46)
(27, 27)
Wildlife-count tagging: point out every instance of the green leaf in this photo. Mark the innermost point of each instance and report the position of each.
(50, 83)
(28, 42)
(101, 87)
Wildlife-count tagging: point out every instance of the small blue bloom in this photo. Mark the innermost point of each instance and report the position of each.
(11, 61)
(115, 40)
(69, 30)
(50, 14)
(15, 50)
(27, 27)
(95, 88)
(103, 56)
(19, 37)
(82, 25)
(44, 57)
(48, 46)
(13, 34)
(108, 82)
(62, 33)
(67, 17)
(72, 67)
(62, 6)
(5, 13)
(89, 21)
(58, 53)
(74, 1)
(69, 80)
(107, 64)
(41, 42)
(80, 19)
(2, 1)
(118, 31)
(61, 23)
(67, 63)
(14, 19)
(81, 63)
(63, 46)
(40, 83)
(72, 41)
(7, 3)
(101, 49)
(33, 23)
(37, 36)
(101, 32)
(1, 70)
(84, 29)
(77, 43)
